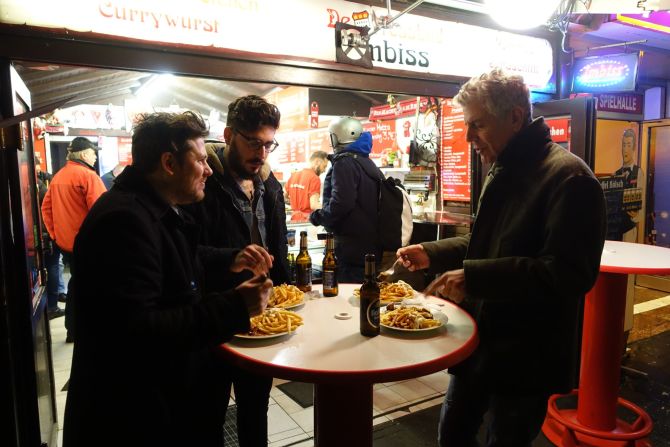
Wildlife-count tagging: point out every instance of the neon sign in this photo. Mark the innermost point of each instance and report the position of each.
(605, 74)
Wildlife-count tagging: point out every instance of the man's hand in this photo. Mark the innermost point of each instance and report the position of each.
(254, 258)
(413, 257)
(256, 293)
(450, 285)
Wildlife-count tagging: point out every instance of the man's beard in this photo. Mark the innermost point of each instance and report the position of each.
(236, 164)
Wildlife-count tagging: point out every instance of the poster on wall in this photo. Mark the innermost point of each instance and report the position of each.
(559, 129)
(455, 156)
(383, 137)
(619, 166)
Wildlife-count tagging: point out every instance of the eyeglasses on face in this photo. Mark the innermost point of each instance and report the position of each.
(255, 143)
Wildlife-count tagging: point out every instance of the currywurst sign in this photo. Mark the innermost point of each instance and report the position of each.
(295, 28)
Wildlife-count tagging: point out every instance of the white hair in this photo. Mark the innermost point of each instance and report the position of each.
(497, 92)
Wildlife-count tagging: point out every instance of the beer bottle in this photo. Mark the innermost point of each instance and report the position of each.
(329, 268)
(370, 299)
(303, 266)
(291, 268)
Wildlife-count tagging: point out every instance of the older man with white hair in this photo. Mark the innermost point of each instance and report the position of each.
(522, 273)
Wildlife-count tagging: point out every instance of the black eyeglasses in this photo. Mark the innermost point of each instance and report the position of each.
(255, 143)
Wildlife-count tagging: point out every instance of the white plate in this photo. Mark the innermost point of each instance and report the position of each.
(262, 337)
(437, 315)
(401, 329)
(292, 306)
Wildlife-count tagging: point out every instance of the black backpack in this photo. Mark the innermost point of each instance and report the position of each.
(394, 209)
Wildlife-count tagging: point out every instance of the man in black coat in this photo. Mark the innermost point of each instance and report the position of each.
(142, 374)
(350, 199)
(522, 273)
(244, 207)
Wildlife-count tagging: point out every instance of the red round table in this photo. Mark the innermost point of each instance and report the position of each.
(595, 422)
(331, 353)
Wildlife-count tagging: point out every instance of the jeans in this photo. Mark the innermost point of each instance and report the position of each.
(515, 421)
(54, 277)
(69, 325)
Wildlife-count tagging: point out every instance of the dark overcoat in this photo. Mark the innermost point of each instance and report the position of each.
(533, 253)
(145, 337)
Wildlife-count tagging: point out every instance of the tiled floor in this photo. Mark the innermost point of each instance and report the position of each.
(290, 424)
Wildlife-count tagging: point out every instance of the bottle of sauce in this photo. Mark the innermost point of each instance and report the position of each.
(370, 299)
(329, 268)
(303, 266)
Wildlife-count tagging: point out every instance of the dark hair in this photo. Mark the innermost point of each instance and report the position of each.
(250, 112)
(319, 154)
(155, 133)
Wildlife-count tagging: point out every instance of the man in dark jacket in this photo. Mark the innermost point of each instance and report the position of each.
(350, 199)
(144, 374)
(522, 273)
(244, 207)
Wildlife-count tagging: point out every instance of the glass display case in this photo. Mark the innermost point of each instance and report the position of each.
(315, 247)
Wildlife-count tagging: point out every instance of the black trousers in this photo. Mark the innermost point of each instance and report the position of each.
(515, 420)
(252, 396)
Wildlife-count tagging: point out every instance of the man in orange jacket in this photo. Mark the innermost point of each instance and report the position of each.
(71, 194)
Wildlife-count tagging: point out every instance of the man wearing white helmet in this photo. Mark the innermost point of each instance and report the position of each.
(350, 199)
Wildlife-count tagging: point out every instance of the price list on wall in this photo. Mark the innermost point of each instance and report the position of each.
(291, 149)
(455, 156)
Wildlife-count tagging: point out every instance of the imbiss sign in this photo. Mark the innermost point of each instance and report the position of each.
(295, 28)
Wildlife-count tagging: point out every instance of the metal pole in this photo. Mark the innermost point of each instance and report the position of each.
(408, 9)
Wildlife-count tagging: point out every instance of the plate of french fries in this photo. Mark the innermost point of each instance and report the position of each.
(410, 318)
(286, 297)
(392, 292)
(274, 322)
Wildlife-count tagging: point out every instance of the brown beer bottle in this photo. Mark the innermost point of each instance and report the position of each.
(303, 266)
(329, 268)
(370, 299)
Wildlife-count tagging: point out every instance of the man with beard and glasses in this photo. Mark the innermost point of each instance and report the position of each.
(244, 209)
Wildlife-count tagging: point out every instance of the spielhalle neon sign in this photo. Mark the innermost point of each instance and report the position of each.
(607, 73)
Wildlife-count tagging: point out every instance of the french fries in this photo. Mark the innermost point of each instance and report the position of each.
(410, 317)
(285, 296)
(393, 292)
(274, 321)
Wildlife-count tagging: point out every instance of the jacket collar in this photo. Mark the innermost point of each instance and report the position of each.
(530, 144)
(133, 180)
(82, 163)
(217, 157)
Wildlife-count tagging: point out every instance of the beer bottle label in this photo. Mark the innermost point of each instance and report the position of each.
(304, 275)
(372, 313)
(329, 281)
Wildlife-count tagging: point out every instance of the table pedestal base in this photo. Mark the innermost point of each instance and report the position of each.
(343, 415)
(563, 428)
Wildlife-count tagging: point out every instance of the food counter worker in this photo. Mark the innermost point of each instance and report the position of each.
(303, 189)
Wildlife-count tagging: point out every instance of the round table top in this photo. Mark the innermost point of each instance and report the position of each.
(627, 257)
(328, 349)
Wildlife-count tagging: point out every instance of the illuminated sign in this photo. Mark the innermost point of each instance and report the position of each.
(615, 73)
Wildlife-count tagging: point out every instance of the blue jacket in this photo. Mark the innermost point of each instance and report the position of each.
(350, 199)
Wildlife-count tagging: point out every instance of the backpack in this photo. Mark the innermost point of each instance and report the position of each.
(394, 209)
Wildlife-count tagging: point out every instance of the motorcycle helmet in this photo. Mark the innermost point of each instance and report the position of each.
(344, 130)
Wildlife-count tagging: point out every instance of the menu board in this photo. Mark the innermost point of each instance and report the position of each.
(455, 155)
(291, 148)
(383, 136)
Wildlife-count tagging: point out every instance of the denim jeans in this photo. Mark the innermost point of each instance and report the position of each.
(515, 421)
(54, 278)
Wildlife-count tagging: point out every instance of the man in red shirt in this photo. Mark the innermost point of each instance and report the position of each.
(303, 189)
